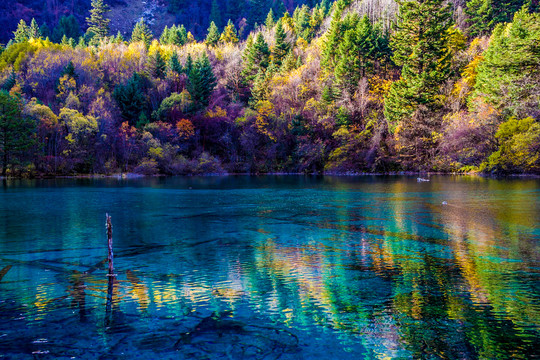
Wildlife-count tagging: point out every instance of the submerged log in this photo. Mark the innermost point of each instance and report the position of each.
(4, 271)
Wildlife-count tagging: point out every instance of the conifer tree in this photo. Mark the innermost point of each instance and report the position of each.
(420, 45)
(141, 32)
(260, 90)
(229, 34)
(67, 25)
(174, 63)
(157, 65)
(165, 37)
(202, 82)
(331, 41)
(189, 65)
(15, 129)
(270, 21)
(289, 63)
(212, 37)
(256, 57)
(33, 30)
(21, 34)
(131, 98)
(281, 47)
(119, 38)
(356, 53)
(98, 23)
(45, 31)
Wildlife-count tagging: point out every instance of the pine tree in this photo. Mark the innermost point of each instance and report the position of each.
(45, 31)
(481, 19)
(67, 25)
(356, 53)
(289, 63)
(202, 82)
(420, 45)
(188, 67)
(22, 33)
(141, 32)
(33, 30)
(212, 37)
(165, 38)
(270, 21)
(131, 98)
(174, 64)
(156, 65)
(229, 35)
(281, 47)
(260, 89)
(15, 129)
(256, 57)
(119, 38)
(98, 24)
(331, 42)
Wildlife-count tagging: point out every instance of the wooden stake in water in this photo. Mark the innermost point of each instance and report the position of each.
(110, 242)
(111, 275)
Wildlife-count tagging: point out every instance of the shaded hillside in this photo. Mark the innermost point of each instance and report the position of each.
(195, 15)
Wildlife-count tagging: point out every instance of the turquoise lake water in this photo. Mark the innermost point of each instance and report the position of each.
(274, 267)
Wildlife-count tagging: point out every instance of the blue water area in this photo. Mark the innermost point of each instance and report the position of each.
(273, 267)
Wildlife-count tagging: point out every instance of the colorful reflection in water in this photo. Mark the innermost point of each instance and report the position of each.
(271, 267)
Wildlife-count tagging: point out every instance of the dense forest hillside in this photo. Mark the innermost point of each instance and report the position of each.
(333, 87)
(195, 15)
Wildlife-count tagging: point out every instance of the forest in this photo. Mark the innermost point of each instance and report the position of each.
(344, 87)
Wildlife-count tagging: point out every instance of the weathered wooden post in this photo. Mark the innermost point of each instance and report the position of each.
(110, 243)
(111, 274)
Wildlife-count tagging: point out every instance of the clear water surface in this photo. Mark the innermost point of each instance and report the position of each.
(271, 267)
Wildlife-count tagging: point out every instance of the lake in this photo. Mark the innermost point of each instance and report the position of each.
(286, 267)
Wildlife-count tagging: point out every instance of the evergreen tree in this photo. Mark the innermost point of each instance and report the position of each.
(331, 41)
(507, 78)
(119, 38)
(67, 25)
(15, 129)
(188, 67)
(260, 89)
(202, 82)
(131, 98)
(270, 21)
(215, 14)
(141, 32)
(420, 45)
(22, 33)
(302, 18)
(229, 35)
(281, 47)
(45, 31)
(212, 37)
(10, 82)
(165, 38)
(174, 64)
(481, 19)
(356, 53)
(156, 65)
(33, 30)
(256, 57)
(98, 24)
(289, 63)
(485, 14)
